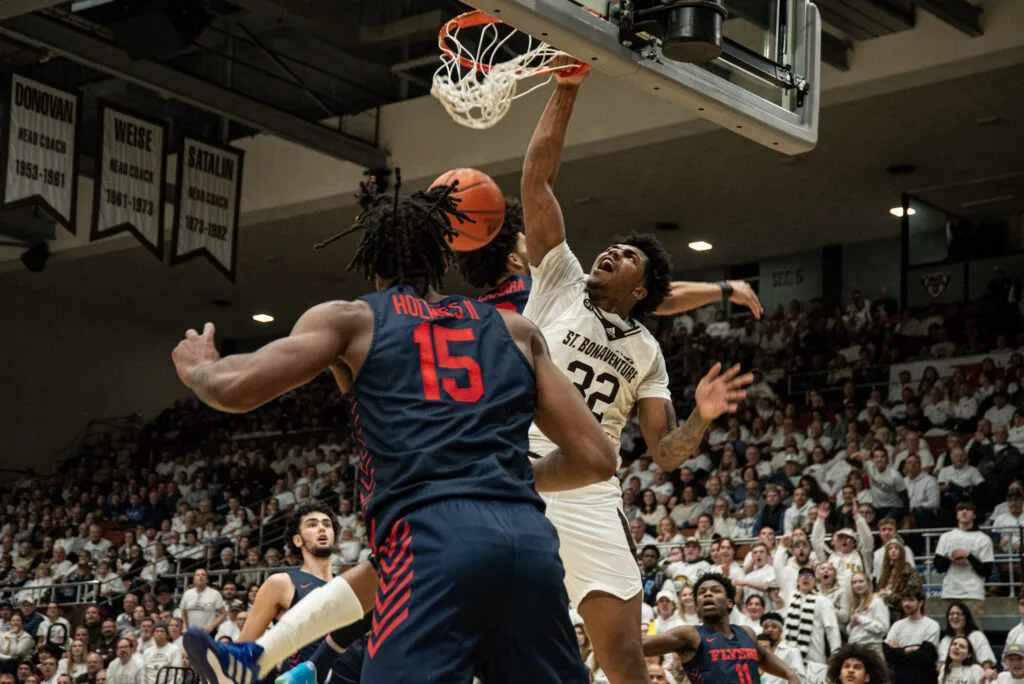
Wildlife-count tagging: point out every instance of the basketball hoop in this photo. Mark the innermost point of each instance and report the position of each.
(478, 79)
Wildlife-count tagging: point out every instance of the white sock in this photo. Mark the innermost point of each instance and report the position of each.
(323, 610)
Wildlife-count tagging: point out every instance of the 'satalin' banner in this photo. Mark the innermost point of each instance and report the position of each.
(40, 128)
(130, 178)
(206, 212)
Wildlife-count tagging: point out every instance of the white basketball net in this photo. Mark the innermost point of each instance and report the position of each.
(479, 74)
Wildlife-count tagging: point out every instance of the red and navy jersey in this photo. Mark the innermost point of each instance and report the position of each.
(719, 660)
(441, 408)
(303, 583)
(511, 294)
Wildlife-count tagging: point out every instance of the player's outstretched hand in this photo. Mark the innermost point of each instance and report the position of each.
(572, 71)
(744, 295)
(720, 393)
(194, 352)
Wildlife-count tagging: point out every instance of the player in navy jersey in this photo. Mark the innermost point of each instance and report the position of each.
(716, 652)
(444, 392)
(502, 264)
(313, 536)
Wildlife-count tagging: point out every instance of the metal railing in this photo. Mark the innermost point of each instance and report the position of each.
(1006, 563)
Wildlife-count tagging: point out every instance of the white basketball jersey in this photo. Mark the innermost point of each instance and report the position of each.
(613, 362)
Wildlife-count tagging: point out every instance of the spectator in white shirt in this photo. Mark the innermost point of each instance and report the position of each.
(126, 668)
(667, 616)
(888, 488)
(958, 479)
(965, 555)
(662, 487)
(97, 546)
(720, 329)
(796, 514)
(960, 623)
(59, 636)
(202, 606)
(16, 644)
(60, 567)
(37, 590)
(1001, 413)
(1016, 635)
(638, 530)
(284, 497)
(1007, 524)
(923, 493)
(110, 583)
(230, 627)
(811, 625)
(162, 654)
(1013, 659)
(912, 445)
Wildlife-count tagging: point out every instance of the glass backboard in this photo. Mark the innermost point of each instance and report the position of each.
(765, 85)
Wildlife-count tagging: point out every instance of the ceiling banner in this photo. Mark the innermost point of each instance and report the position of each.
(131, 174)
(40, 129)
(206, 212)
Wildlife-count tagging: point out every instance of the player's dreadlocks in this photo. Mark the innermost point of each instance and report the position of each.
(659, 270)
(404, 239)
(483, 267)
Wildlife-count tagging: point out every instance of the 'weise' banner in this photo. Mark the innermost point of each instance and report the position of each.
(130, 178)
(206, 212)
(41, 141)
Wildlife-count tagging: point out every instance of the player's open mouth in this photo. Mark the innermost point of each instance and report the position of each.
(606, 265)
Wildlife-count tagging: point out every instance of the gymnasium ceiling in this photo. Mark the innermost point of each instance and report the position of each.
(749, 202)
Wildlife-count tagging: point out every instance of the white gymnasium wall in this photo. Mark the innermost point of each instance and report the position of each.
(61, 366)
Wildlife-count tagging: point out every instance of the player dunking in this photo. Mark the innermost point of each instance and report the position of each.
(444, 392)
(618, 366)
(716, 652)
(313, 535)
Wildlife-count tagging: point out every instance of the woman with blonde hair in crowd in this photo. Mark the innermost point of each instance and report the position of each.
(961, 665)
(898, 578)
(583, 641)
(668, 533)
(869, 616)
(688, 605)
(73, 662)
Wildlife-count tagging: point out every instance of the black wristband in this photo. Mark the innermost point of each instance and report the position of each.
(726, 289)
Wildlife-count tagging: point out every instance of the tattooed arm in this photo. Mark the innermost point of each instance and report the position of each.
(671, 446)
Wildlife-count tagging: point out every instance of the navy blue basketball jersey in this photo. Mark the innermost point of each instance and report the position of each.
(719, 660)
(441, 408)
(304, 583)
(511, 294)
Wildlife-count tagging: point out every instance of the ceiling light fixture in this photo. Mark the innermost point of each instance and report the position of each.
(699, 246)
(898, 211)
(263, 318)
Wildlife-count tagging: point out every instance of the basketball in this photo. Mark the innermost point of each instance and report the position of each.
(480, 198)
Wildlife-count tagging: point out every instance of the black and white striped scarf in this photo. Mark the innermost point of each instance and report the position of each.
(799, 625)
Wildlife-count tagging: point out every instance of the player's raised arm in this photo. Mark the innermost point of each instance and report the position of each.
(685, 296)
(542, 215)
(585, 455)
(243, 382)
(682, 640)
(717, 393)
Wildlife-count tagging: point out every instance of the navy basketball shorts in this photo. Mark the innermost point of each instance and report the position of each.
(472, 588)
(347, 667)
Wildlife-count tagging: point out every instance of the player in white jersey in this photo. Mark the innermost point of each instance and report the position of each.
(617, 365)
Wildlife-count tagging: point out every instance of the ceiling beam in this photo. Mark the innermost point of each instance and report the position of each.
(336, 26)
(959, 14)
(79, 47)
(15, 8)
(835, 51)
(413, 26)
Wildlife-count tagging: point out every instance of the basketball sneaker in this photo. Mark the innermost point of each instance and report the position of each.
(222, 663)
(303, 673)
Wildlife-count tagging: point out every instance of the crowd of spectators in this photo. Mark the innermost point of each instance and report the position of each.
(94, 560)
(104, 564)
(808, 497)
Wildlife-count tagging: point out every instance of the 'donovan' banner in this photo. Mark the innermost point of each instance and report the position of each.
(130, 178)
(40, 129)
(206, 213)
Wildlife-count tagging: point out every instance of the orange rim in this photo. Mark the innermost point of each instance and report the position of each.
(479, 18)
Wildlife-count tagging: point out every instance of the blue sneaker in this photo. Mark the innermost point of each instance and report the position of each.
(222, 663)
(303, 673)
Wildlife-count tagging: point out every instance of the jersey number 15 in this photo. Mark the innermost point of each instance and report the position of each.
(429, 338)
